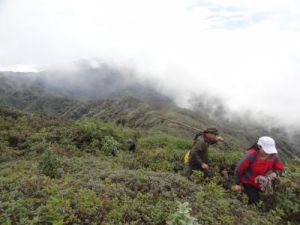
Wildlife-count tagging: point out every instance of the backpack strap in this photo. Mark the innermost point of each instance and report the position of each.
(247, 172)
(197, 135)
(254, 147)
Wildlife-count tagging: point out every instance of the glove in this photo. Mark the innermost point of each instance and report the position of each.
(236, 188)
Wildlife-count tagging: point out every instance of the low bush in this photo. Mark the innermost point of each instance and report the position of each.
(164, 141)
(51, 165)
(182, 216)
(110, 146)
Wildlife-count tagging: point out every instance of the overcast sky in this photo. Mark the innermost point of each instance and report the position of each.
(248, 52)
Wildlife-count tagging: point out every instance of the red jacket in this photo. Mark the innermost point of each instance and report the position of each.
(256, 167)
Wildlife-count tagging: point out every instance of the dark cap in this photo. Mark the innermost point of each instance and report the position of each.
(211, 130)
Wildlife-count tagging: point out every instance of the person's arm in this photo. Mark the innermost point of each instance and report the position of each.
(277, 167)
(197, 157)
(241, 167)
(196, 152)
(219, 138)
(204, 148)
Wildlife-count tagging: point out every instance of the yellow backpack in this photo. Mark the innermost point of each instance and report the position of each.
(186, 157)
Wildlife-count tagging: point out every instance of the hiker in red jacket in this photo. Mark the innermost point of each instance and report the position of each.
(258, 164)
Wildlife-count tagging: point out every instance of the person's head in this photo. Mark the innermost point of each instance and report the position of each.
(267, 145)
(211, 135)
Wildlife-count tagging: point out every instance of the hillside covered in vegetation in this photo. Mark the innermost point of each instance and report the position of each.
(107, 94)
(61, 171)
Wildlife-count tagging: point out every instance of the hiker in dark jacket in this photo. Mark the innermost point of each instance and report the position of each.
(198, 158)
(257, 169)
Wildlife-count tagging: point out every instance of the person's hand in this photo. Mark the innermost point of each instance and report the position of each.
(204, 166)
(273, 175)
(219, 138)
(236, 188)
(256, 179)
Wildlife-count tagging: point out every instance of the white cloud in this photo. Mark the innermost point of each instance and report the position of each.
(246, 51)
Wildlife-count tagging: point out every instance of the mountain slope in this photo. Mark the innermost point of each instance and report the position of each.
(153, 116)
(59, 171)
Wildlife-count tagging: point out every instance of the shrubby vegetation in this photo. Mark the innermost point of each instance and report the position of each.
(51, 165)
(57, 171)
(110, 146)
(182, 216)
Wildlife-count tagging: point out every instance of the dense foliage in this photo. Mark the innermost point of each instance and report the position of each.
(57, 171)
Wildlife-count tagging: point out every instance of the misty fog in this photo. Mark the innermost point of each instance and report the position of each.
(244, 55)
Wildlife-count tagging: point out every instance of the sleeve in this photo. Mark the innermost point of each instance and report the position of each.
(244, 164)
(198, 159)
(277, 166)
(196, 152)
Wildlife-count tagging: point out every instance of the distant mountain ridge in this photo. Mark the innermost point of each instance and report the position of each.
(130, 103)
(86, 83)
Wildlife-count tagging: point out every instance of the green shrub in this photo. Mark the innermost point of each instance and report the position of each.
(155, 159)
(222, 158)
(287, 193)
(110, 146)
(182, 216)
(144, 208)
(91, 132)
(164, 141)
(51, 165)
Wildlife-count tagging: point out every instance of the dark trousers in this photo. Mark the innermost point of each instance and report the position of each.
(191, 169)
(252, 193)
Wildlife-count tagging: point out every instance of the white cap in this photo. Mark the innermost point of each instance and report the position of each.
(267, 144)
